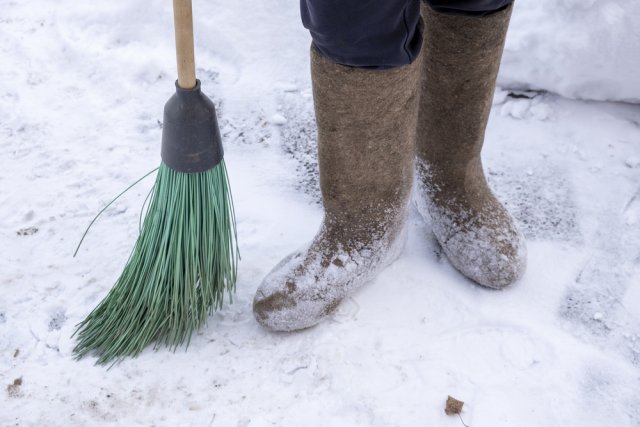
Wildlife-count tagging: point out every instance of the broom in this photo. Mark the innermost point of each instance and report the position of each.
(185, 258)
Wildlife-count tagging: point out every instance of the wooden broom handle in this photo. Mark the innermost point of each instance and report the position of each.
(183, 22)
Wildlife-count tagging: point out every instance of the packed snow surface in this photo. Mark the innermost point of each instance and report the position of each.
(82, 87)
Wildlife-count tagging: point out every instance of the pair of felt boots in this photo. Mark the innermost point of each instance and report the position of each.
(374, 128)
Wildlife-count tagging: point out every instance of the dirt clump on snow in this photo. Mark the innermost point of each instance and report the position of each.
(29, 231)
(453, 406)
(13, 390)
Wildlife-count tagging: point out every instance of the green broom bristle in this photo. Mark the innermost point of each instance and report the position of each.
(183, 263)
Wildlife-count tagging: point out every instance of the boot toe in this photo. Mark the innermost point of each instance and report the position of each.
(291, 298)
(274, 311)
(281, 311)
(492, 258)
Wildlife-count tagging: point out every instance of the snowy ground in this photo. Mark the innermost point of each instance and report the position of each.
(82, 86)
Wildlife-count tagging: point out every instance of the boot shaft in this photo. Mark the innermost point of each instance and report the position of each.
(461, 61)
(366, 141)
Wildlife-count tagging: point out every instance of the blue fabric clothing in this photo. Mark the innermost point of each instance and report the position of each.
(378, 34)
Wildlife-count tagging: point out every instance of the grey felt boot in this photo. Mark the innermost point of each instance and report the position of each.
(461, 56)
(366, 142)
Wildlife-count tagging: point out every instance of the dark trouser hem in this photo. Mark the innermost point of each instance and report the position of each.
(364, 34)
(468, 7)
(378, 34)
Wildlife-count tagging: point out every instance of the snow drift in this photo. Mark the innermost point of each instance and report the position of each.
(581, 49)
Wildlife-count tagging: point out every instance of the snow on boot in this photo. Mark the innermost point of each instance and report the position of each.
(461, 57)
(366, 143)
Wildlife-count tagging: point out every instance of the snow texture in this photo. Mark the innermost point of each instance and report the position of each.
(82, 86)
(582, 49)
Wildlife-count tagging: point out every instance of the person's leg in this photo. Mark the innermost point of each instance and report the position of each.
(460, 65)
(366, 122)
(374, 34)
